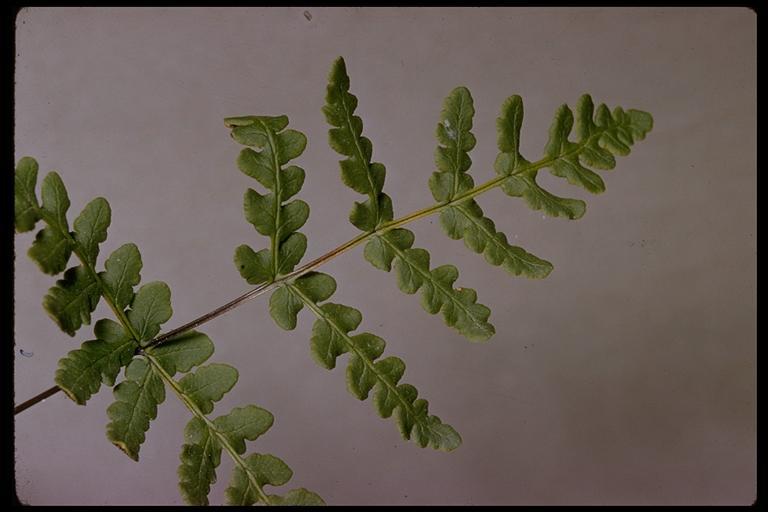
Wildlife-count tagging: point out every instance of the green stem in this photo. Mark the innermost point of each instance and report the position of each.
(312, 265)
(350, 244)
(275, 238)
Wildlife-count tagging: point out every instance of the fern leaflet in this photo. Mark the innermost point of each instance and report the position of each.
(458, 305)
(331, 332)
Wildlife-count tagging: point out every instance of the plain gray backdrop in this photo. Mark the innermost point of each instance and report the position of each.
(625, 377)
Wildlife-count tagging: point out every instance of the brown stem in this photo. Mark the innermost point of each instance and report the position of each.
(39, 398)
(265, 287)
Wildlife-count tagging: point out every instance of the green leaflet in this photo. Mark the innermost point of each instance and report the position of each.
(260, 470)
(91, 227)
(135, 405)
(331, 338)
(73, 299)
(208, 384)
(255, 267)
(459, 306)
(122, 274)
(284, 305)
(466, 220)
(357, 171)
(82, 371)
(53, 245)
(150, 307)
(137, 397)
(183, 352)
(297, 497)
(601, 135)
(201, 455)
(271, 147)
(479, 233)
(26, 210)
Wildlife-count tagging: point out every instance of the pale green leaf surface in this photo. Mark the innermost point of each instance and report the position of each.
(201, 452)
(255, 267)
(122, 273)
(26, 210)
(200, 456)
(53, 245)
(479, 233)
(331, 337)
(300, 497)
(357, 170)
(150, 308)
(91, 228)
(284, 305)
(466, 220)
(264, 470)
(269, 213)
(55, 201)
(73, 299)
(459, 306)
(243, 423)
(82, 372)
(459, 309)
(208, 384)
(292, 249)
(51, 250)
(135, 405)
(600, 134)
(183, 352)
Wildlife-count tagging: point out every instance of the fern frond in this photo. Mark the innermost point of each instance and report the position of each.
(136, 401)
(122, 273)
(600, 136)
(82, 371)
(465, 220)
(149, 366)
(205, 439)
(269, 213)
(201, 452)
(458, 305)
(331, 333)
(331, 338)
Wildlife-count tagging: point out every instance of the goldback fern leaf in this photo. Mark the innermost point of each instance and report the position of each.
(458, 305)
(96, 362)
(26, 210)
(260, 470)
(130, 344)
(269, 213)
(122, 274)
(466, 220)
(331, 332)
(150, 362)
(136, 401)
(53, 244)
(601, 135)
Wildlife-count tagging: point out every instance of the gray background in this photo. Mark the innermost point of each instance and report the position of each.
(626, 377)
